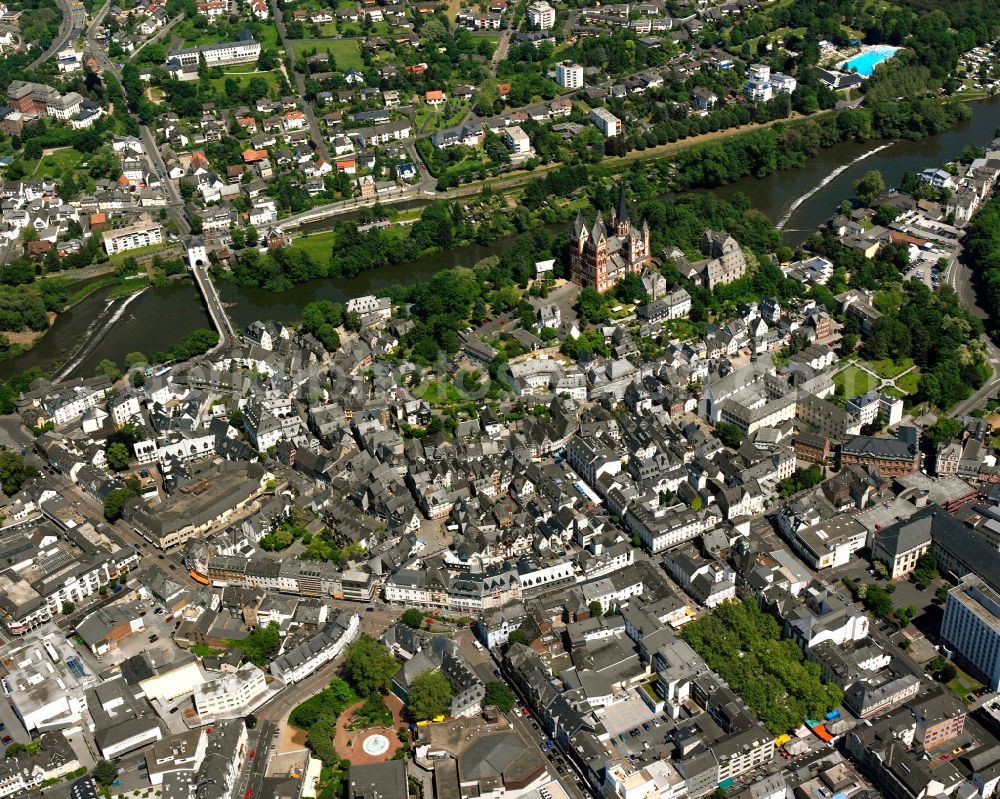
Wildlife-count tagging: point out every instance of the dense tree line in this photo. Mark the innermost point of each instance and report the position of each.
(765, 151)
(318, 717)
(771, 675)
(938, 334)
(982, 249)
(195, 343)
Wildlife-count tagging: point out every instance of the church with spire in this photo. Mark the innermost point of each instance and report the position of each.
(601, 256)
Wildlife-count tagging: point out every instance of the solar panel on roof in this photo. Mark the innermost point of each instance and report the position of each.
(76, 667)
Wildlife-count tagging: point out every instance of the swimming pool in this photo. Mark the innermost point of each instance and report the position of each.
(864, 63)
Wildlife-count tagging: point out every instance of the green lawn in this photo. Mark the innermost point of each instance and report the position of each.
(854, 382)
(268, 35)
(193, 37)
(438, 119)
(57, 164)
(438, 392)
(346, 52)
(964, 684)
(318, 246)
(909, 382)
(887, 369)
(356, 29)
(244, 77)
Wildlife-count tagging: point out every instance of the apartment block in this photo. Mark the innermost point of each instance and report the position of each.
(132, 237)
(971, 627)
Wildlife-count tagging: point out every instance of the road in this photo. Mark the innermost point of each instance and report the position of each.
(960, 278)
(300, 81)
(500, 53)
(73, 21)
(93, 48)
(251, 777)
(175, 203)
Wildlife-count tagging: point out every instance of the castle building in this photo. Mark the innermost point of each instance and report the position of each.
(603, 255)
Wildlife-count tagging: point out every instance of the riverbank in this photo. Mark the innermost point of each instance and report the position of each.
(163, 315)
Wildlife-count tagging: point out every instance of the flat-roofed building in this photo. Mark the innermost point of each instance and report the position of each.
(132, 237)
(606, 122)
(231, 695)
(971, 627)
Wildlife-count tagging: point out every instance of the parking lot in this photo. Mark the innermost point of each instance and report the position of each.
(637, 731)
(157, 632)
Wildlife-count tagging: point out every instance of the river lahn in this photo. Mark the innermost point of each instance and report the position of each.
(798, 200)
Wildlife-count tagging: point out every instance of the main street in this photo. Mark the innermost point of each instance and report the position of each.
(300, 81)
(961, 279)
(94, 49)
(251, 776)
(175, 203)
(74, 18)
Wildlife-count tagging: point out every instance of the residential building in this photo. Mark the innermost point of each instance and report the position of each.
(132, 237)
(570, 75)
(231, 695)
(541, 16)
(758, 86)
(971, 627)
(606, 122)
(517, 140)
(301, 661)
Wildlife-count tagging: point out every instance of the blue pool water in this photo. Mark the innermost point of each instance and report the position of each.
(864, 63)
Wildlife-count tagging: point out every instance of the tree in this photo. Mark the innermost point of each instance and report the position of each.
(596, 609)
(369, 667)
(115, 501)
(499, 695)
(869, 186)
(592, 307)
(729, 434)
(14, 471)
(105, 773)
(430, 695)
(67, 608)
(136, 358)
(14, 749)
(518, 636)
(277, 540)
(943, 429)
(412, 618)
(118, 456)
(486, 98)
(261, 645)
(109, 369)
